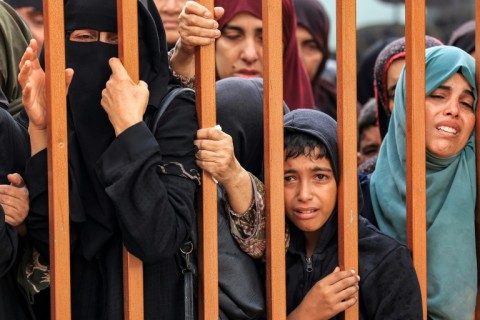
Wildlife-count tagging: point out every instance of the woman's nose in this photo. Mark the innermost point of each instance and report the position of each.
(452, 108)
(250, 52)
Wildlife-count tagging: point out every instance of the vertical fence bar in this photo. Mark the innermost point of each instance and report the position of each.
(416, 183)
(128, 53)
(347, 140)
(59, 216)
(207, 223)
(273, 133)
(477, 150)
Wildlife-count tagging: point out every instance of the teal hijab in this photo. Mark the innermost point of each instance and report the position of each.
(451, 194)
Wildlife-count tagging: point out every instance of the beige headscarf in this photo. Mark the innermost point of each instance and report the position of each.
(14, 38)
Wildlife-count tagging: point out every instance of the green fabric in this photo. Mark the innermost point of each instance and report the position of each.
(14, 39)
(451, 193)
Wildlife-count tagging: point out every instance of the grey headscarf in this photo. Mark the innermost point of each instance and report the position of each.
(14, 39)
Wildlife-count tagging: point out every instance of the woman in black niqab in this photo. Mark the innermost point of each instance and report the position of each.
(127, 187)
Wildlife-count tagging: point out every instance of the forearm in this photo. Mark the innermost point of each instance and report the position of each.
(248, 227)
(181, 62)
(239, 191)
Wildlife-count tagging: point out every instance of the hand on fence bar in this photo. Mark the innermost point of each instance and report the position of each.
(216, 155)
(124, 101)
(197, 28)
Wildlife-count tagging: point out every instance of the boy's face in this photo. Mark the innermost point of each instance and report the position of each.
(310, 191)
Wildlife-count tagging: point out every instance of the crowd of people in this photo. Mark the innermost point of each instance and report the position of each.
(136, 187)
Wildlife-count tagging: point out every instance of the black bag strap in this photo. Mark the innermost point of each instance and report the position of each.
(166, 101)
(186, 250)
(187, 267)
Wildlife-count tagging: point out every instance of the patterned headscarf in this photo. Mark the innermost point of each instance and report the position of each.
(451, 195)
(297, 91)
(394, 51)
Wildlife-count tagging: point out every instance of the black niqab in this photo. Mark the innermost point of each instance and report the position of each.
(90, 131)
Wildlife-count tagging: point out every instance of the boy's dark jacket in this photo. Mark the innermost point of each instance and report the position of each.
(389, 287)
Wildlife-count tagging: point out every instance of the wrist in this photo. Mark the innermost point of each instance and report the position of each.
(120, 128)
(237, 177)
(182, 62)
(38, 139)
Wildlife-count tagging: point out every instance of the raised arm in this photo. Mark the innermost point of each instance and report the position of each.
(32, 80)
(216, 156)
(244, 192)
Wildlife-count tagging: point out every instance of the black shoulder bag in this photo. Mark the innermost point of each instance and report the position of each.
(241, 292)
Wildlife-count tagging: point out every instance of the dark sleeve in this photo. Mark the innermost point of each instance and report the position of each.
(8, 245)
(14, 146)
(36, 179)
(152, 182)
(391, 290)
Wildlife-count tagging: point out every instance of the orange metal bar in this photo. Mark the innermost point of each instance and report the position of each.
(127, 17)
(59, 215)
(347, 140)
(416, 181)
(207, 223)
(273, 132)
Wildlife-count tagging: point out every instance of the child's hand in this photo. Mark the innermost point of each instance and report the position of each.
(329, 296)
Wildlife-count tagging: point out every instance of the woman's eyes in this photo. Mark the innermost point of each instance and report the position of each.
(85, 36)
(232, 35)
(436, 96)
(467, 104)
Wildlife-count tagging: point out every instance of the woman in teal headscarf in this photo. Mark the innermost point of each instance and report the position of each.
(451, 98)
